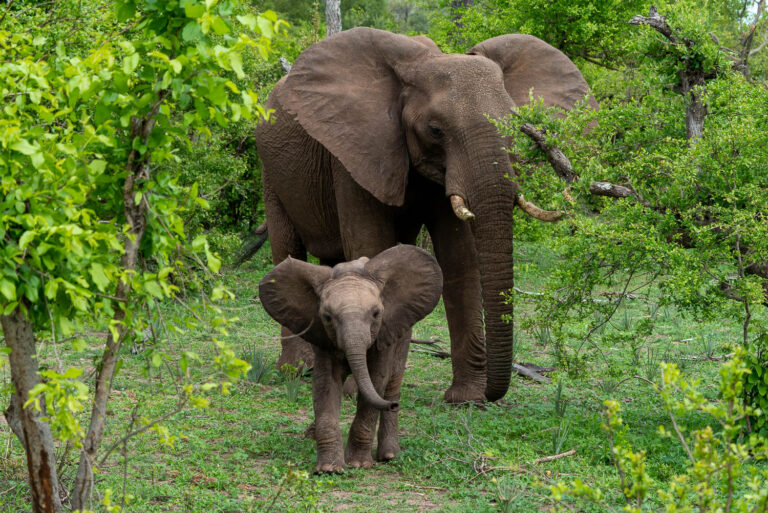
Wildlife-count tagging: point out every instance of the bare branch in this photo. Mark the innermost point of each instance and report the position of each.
(556, 456)
(610, 190)
(555, 155)
(548, 216)
(657, 22)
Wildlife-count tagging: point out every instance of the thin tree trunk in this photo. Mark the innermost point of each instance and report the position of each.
(746, 51)
(692, 80)
(41, 463)
(693, 85)
(139, 169)
(332, 17)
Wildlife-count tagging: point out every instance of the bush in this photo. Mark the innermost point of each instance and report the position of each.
(722, 474)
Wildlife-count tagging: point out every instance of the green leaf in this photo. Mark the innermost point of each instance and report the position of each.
(10, 307)
(199, 243)
(249, 20)
(66, 326)
(97, 166)
(125, 11)
(51, 287)
(214, 263)
(194, 10)
(99, 277)
(153, 288)
(25, 147)
(8, 290)
(191, 32)
(265, 27)
(73, 373)
(220, 26)
(236, 61)
(26, 238)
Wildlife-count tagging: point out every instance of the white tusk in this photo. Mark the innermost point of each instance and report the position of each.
(460, 208)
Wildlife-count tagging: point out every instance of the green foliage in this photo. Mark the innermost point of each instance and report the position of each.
(756, 384)
(694, 49)
(593, 30)
(261, 370)
(354, 13)
(723, 471)
(693, 224)
(87, 134)
(63, 395)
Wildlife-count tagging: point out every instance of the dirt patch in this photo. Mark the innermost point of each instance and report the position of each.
(411, 498)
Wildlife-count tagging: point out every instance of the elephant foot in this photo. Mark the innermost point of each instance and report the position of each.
(387, 451)
(359, 458)
(328, 468)
(360, 463)
(460, 393)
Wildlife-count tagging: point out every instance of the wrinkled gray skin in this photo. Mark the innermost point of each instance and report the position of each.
(358, 316)
(373, 132)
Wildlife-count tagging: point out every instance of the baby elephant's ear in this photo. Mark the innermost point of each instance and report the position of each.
(411, 283)
(289, 295)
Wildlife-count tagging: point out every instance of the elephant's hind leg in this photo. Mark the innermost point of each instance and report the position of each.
(285, 242)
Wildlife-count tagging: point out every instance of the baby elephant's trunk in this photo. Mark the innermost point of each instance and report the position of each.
(355, 351)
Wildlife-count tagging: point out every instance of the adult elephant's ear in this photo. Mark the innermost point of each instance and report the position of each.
(411, 283)
(528, 62)
(345, 92)
(289, 294)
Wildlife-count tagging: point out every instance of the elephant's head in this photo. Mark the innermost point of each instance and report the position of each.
(385, 104)
(353, 305)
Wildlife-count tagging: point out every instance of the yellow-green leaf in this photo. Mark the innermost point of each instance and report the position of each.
(8, 289)
(24, 146)
(26, 238)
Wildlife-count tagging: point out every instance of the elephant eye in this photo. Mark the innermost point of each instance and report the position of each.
(435, 131)
(326, 316)
(376, 312)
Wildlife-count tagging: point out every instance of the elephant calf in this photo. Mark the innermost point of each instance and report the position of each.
(358, 316)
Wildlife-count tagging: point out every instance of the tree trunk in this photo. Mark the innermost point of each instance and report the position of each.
(332, 17)
(693, 85)
(38, 441)
(139, 169)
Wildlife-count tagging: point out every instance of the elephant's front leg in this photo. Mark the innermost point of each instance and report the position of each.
(326, 398)
(363, 428)
(388, 445)
(462, 296)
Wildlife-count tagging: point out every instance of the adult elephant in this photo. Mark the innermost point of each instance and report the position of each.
(376, 135)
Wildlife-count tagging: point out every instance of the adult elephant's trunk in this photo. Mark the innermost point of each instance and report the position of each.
(355, 343)
(482, 179)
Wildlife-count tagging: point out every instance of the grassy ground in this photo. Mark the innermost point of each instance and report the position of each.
(247, 451)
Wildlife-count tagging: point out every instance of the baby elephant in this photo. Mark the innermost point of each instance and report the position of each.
(358, 317)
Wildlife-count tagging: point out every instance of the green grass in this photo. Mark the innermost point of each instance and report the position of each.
(247, 452)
